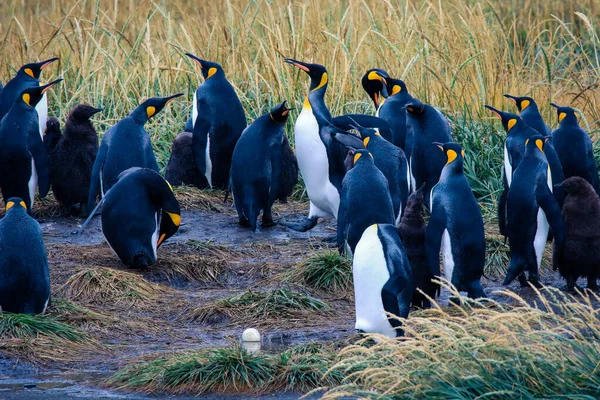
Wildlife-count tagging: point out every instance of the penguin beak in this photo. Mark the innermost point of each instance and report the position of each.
(513, 98)
(47, 86)
(44, 64)
(171, 98)
(297, 63)
(554, 105)
(438, 144)
(97, 110)
(497, 112)
(193, 57)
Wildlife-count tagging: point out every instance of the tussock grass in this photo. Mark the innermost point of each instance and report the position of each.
(326, 271)
(31, 326)
(191, 267)
(75, 314)
(191, 198)
(100, 284)
(261, 307)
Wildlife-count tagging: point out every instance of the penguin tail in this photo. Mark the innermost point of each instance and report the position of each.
(141, 260)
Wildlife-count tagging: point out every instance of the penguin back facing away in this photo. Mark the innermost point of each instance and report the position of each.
(289, 171)
(24, 273)
(139, 213)
(581, 253)
(73, 157)
(256, 167)
(181, 168)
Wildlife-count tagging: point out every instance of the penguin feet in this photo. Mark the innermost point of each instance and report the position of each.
(536, 284)
(304, 226)
(523, 280)
(245, 222)
(267, 223)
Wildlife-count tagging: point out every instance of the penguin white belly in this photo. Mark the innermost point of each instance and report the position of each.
(46, 305)
(208, 161)
(101, 184)
(408, 178)
(447, 259)
(370, 273)
(507, 167)
(155, 235)
(541, 234)
(42, 111)
(194, 110)
(33, 182)
(314, 166)
(412, 180)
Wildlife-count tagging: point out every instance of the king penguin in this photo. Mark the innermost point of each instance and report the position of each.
(218, 120)
(256, 167)
(574, 147)
(374, 82)
(382, 281)
(24, 272)
(124, 145)
(455, 225)
(530, 208)
(320, 157)
(23, 159)
(181, 168)
(365, 198)
(140, 212)
(393, 111)
(27, 76)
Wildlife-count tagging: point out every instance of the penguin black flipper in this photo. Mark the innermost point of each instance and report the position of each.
(276, 164)
(549, 205)
(42, 164)
(394, 301)
(341, 225)
(200, 137)
(502, 206)
(189, 124)
(95, 185)
(349, 121)
(433, 243)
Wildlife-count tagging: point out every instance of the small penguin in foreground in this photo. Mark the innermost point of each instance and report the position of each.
(365, 198)
(574, 147)
(140, 212)
(581, 253)
(531, 209)
(412, 232)
(52, 134)
(382, 281)
(455, 225)
(23, 158)
(181, 168)
(72, 159)
(125, 145)
(24, 272)
(256, 167)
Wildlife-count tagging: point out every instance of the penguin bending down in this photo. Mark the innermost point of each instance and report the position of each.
(139, 213)
(382, 281)
(365, 198)
(581, 254)
(530, 208)
(52, 134)
(320, 157)
(124, 145)
(394, 112)
(412, 233)
(391, 161)
(455, 225)
(218, 119)
(72, 159)
(181, 168)
(23, 157)
(374, 82)
(24, 272)
(425, 125)
(349, 121)
(256, 167)
(574, 148)
(27, 76)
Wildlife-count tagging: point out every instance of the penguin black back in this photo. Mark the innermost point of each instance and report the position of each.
(125, 145)
(73, 157)
(139, 213)
(219, 120)
(394, 111)
(24, 273)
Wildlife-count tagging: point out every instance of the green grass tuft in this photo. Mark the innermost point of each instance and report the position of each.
(326, 271)
(31, 326)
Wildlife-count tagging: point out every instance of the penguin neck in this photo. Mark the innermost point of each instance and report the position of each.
(75, 128)
(455, 168)
(140, 115)
(316, 100)
(569, 121)
(22, 76)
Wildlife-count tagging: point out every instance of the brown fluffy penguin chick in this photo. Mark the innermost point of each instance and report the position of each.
(412, 231)
(52, 134)
(72, 159)
(289, 172)
(181, 168)
(581, 213)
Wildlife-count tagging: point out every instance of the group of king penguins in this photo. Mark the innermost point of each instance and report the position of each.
(372, 173)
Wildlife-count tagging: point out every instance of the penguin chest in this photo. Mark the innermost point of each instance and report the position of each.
(42, 111)
(33, 182)
(447, 258)
(541, 234)
(154, 238)
(507, 167)
(314, 164)
(208, 161)
(370, 274)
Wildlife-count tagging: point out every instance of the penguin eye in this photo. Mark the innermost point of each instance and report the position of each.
(150, 111)
(29, 72)
(9, 205)
(27, 99)
(211, 72)
(511, 123)
(561, 116)
(524, 104)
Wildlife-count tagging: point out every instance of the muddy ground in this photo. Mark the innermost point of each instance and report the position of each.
(211, 257)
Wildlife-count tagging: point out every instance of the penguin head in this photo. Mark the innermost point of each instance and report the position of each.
(509, 120)
(34, 70)
(16, 204)
(317, 73)
(415, 107)
(32, 95)
(536, 143)
(363, 154)
(209, 69)
(566, 115)
(153, 106)
(375, 82)
(576, 185)
(454, 153)
(396, 86)
(366, 133)
(522, 103)
(83, 112)
(280, 113)
(52, 125)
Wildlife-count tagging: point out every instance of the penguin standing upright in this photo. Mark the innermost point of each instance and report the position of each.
(24, 272)
(382, 281)
(374, 82)
(23, 157)
(391, 161)
(530, 208)
(320, 157)
(140, 212)
(393, 111)
(72, 159)
(27, 76)
(455, 225)
(256, 167)
(365, 198)
(218, 119)
(425, 125)
(124, 145)
(574, 148)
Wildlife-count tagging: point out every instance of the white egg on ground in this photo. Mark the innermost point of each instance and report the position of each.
(251, 335)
